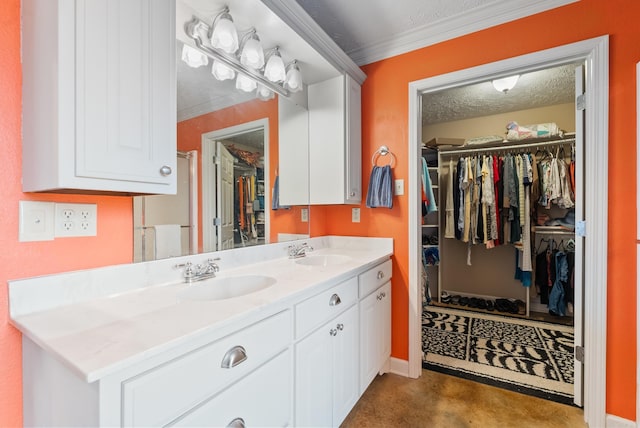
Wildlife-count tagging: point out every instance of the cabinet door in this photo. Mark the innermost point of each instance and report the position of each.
(313, 384)
(353, 189)
(375, 333)
(345, 356)
(125, 91)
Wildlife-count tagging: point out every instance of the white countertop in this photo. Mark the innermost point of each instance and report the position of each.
(98, 332)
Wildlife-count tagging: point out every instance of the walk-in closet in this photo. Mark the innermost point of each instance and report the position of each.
(501, 186)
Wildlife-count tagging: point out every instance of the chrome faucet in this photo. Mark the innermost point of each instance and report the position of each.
(194, 273)
(297, 251)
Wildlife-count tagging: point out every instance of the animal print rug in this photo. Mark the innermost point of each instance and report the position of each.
(531, 357)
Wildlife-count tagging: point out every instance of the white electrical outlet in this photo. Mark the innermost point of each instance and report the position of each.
(304, 215)
(76, 220)
(355, 215)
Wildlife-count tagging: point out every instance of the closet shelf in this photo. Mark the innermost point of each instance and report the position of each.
(510, 145)
(552, 230)
(429, 225)
(430, 246)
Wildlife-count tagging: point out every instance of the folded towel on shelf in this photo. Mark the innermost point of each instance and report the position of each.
(380, 192)
(168, 240)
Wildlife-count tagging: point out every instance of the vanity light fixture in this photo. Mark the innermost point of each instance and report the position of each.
(221, 71)
(250, 71)
(245, 83)
(264, 93)
(275, 70)
(293, 81)
(505, 84)
(251, 52)
(224, 35)
(193, 57)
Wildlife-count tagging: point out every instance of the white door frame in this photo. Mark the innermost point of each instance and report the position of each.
(595, 53)
(208, 177)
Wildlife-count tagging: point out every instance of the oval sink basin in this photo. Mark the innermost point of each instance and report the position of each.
(226, 288)
(323, 260)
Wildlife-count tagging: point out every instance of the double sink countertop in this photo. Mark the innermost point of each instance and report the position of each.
(100, 321)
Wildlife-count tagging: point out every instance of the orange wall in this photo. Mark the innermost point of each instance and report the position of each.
(190, 138)
(384, 113)
(385, 109)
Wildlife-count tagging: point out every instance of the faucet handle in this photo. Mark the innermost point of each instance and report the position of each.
(188, 269)
(212, 266)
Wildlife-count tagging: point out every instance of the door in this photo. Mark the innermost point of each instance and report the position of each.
(345, 357)
(224, 197)
(578, 317)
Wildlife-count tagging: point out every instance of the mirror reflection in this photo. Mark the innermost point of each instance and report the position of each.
(228, 162)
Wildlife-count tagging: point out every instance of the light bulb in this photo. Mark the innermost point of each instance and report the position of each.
(193, 57)
(221, 72)
(245, 83)
(274, 70)
(252, 54)
(293, 81)
(224, 35)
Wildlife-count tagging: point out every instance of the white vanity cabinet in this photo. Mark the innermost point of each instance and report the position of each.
(375, 322)
(99, 96)
(335, 141)
(326, 361)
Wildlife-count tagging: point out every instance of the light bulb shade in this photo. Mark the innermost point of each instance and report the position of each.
(293, 81)
(245, 83)
(193, 57)
(264, 93)
(505, 84)
(224, 35)
(221, 72)
(252, 54)
(274, 70)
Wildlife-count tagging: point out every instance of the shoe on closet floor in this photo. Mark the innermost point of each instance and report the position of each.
(490, 305)
(455, 299)
(464, 301)
(445, 297)
(521, 307)
(482, 304)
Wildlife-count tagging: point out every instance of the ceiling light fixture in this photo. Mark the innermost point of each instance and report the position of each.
(250, 64)
(505, 84)
(224, 35)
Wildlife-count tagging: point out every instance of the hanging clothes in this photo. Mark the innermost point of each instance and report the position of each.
(428, 188)
(449, 217)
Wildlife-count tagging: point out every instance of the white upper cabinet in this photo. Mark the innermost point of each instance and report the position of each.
(99, 96)
(335, 142)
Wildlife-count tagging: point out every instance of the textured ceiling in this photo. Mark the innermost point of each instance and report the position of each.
(536, 89)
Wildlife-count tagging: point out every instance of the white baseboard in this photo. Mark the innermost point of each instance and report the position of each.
(613, 421)
(399, 367)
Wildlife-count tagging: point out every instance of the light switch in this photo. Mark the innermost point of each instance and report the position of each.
(399, 187)
(304, 215)
(36, 221)
(355, 215)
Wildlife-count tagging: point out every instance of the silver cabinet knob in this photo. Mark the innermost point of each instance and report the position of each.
(233, 357)
(165, 170)
(333, 332)
(379, 296)
(380, 274)
(340, 326)
(352, 194)
(335, 300)
(236, 423)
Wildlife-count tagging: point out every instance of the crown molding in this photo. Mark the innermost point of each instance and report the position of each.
(496, 13)
(297, 18)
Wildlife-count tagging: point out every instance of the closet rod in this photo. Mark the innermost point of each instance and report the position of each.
(538, 144)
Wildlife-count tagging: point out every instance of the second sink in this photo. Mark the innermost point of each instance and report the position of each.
(323, 260)
(227, 288)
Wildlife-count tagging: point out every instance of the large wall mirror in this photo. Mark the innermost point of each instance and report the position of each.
(232, 147)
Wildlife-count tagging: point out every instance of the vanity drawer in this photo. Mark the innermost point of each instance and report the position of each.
(160, 395)
(316, 310)
(373, 278)
(260, 399)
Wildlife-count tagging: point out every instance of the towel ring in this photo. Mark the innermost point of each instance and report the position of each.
(383, 151)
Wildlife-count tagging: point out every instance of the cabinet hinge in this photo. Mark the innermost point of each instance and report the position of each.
(581, 228)
(216, 221)
(215, 160)
(581, 102)
(580, 353)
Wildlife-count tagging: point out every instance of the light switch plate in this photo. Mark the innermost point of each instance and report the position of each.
(304, 215)
(355, 215)
(36, 221)
(398, 189)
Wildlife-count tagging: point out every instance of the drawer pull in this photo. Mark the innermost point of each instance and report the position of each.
(236, 423)
(233, 357)
(335, 300)
(165, 170)
(340, 326)
(379, 296)
(380, 274)
(333, 332)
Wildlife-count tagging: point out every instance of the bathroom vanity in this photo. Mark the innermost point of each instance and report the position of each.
(289, 342)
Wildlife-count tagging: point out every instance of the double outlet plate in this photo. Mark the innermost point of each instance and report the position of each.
(44, 221)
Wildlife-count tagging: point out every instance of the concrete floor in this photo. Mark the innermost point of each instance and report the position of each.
(437, 400)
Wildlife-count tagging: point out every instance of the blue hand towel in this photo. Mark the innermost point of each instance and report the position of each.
(380, 192)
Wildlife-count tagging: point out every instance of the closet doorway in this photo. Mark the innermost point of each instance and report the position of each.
(594, 54)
